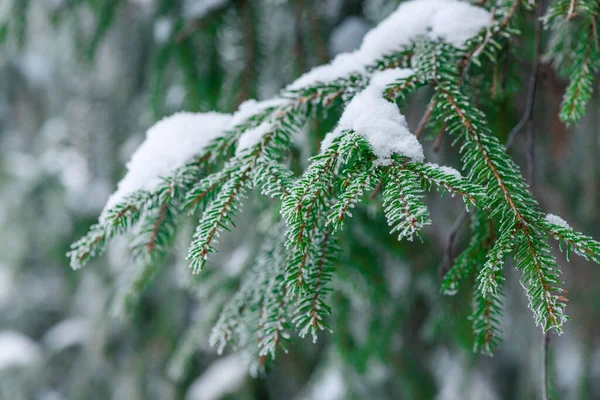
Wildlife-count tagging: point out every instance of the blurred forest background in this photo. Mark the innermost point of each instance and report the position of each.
(81, 81)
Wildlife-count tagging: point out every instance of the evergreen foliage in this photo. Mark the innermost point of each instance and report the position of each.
(288, 287)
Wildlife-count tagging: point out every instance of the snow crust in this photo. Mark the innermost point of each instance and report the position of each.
(379, 121)
(450, 20)
(169, 144)
(556, 220)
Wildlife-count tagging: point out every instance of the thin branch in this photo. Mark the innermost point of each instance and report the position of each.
(545, 346)
(571, 12)
(533, 78)
(530, 153)
(449, 248)
(421, 127)
(438, 140)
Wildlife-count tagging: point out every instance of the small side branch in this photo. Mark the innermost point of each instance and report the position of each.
(533, 78)
(545, 346)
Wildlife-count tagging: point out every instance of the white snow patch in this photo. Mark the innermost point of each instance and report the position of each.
(197, 9)
(252, 107)
(224, 376)
(67, 333)
(252, 137)
(450, 20)
(457, 23)
(169, 144)
(445, 169)
(381, 79)
(379, 121)
(17, 350)
(342, 65)
(556, 220)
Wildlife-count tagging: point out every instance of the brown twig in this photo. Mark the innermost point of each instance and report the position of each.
(545, 346)
(438, 140)
(449, 248)
(421, 127)
(571, 12)
(533, 78)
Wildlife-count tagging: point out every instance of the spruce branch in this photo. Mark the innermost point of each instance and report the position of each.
(582, 78)
(491, 167)
(541, 282)
(311, 307)
(302, 213)
(113, 222)
(583, 48)
(363, 181)
(570, 240)
(485, 319)
(402, 195)
(288, 284)
(447, 180)
(276, 180)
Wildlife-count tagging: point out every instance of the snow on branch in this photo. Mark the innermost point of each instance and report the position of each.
(379, 121)
(169, 144)
(449, 20)
(371, 149)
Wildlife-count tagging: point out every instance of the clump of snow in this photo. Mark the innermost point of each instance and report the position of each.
(17, 350)
(381, 79)
(169, 144)
(342, 65)
(556, 220)
(224, 377)
(379, 121)
(249, 108)
(450, 20)
(457, 23)
(445, 169)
